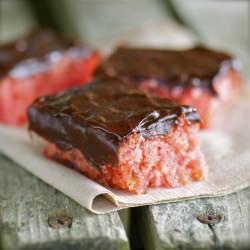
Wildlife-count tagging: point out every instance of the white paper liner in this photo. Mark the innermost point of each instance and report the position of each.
(227, 151)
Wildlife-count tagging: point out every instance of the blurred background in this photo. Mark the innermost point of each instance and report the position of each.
(222, 24)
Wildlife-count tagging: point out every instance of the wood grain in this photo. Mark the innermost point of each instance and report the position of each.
(26, 205)
(176, 226)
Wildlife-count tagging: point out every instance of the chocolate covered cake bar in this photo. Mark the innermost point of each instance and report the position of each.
(199, 77)
(40, 63)
(120, 137)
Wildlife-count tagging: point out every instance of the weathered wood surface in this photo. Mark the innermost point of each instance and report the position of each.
(125, 218)
(212, 223)
(98, 21)
(35, 216)
(15, 19)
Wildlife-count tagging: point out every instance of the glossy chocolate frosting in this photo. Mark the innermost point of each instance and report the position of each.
(97, 118)
(34, 52)
(196, 67)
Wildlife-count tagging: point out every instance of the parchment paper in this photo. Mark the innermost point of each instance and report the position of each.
(227, 151)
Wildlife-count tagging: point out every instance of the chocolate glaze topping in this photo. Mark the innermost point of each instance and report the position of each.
(34, 52)
(97, 118)
(196, 67)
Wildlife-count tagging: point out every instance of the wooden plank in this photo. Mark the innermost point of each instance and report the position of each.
(221, 222)
(34, 215)
(15, 20)
(125, 218)
(101, 21)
